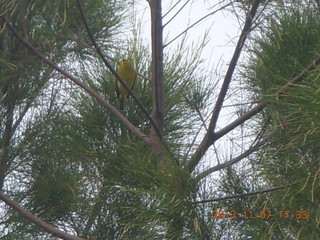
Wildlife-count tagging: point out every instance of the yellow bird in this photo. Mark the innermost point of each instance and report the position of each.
(127, 73)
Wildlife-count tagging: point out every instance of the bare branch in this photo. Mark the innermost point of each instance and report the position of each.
(157, 80)
(210, 138)
(238, 158)
(207, 140)
(89, 90)
(39, 222)
(258, 108)
(232, 66)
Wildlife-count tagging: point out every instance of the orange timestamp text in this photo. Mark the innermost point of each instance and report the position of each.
(265, 214)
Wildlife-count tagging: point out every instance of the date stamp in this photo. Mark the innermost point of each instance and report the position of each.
(265, 214)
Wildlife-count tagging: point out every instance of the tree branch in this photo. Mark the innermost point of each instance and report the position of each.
(238, 158)
(244, 194)
(39, 222)
(7, 135)
(89, 90)
(259, 107)
(207, 140)
(157, 80)
(210, 139)
(108, 65)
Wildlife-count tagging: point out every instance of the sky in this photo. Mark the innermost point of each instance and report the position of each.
(222, 30)
(222, 27)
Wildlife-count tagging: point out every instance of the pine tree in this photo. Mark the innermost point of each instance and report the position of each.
(72, 159)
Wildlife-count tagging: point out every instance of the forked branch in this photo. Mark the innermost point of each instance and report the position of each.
(211, 137)
(208, 138)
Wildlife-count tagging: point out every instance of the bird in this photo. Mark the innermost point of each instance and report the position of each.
(127, 73)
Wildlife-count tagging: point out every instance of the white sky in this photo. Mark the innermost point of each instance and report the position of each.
(222, 27)
(223, 31)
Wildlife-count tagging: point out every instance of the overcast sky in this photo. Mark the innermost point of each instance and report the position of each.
(222, 27)
(223, 34)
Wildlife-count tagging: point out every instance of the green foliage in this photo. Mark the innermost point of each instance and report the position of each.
(54, 170)
(78, 167)
(56, 26)
(139, 200)
(292, 156)
(287, 48)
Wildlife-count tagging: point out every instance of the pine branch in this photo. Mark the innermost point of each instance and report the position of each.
(36, 220)
(89, 90)
(244, 194)
(259, 107)
(108, 65)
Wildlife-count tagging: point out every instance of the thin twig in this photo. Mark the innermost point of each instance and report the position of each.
(244, 194)
(173, 7)
(174, 16)
(195, 23)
